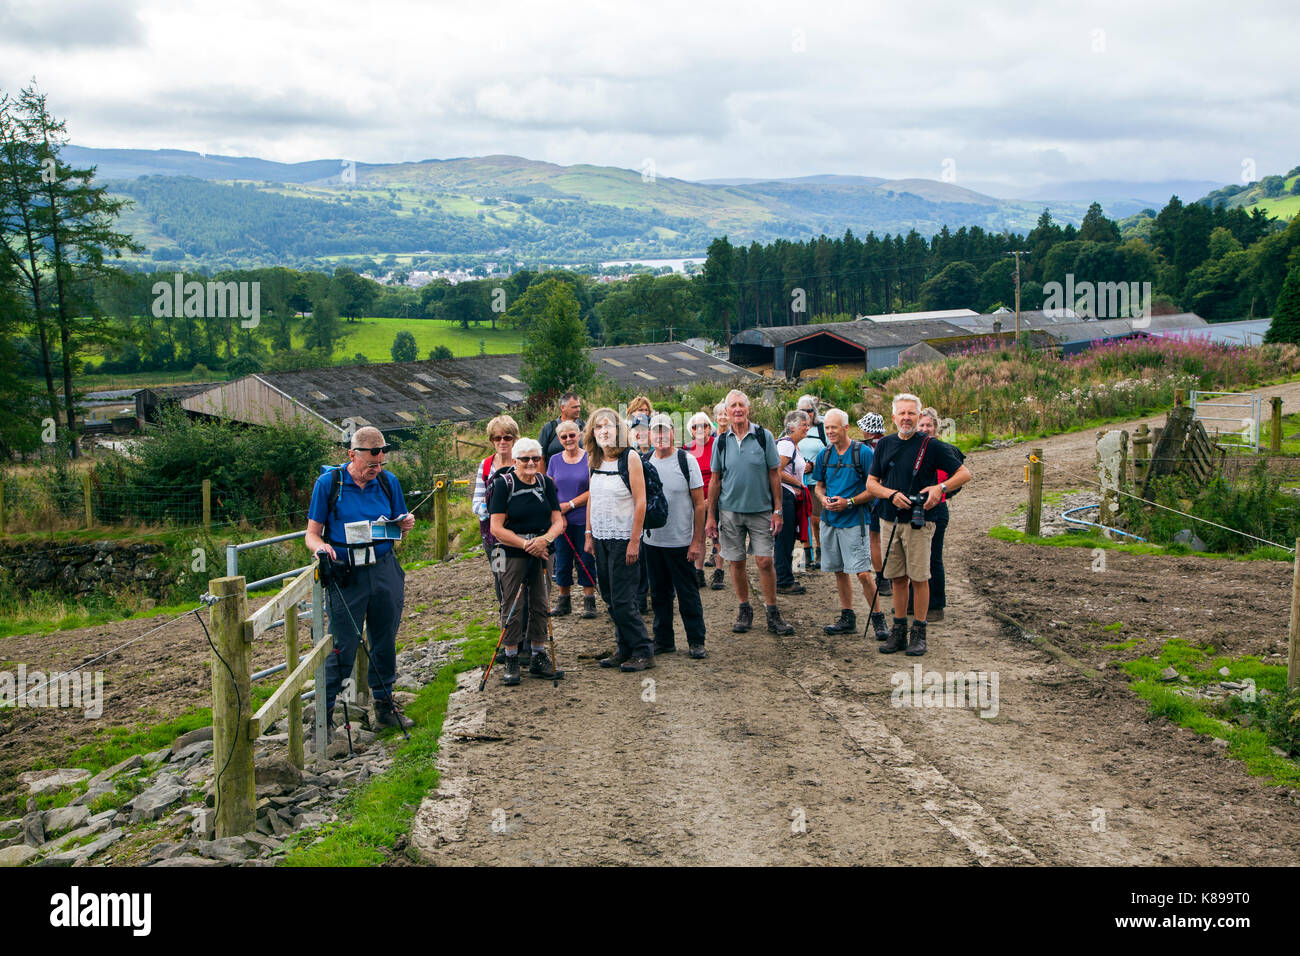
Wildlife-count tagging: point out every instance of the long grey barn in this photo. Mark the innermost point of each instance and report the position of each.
(397, 396)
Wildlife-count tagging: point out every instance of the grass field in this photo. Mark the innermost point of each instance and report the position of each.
(373, 338)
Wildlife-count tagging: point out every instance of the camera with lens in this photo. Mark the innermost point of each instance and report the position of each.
(918, 510)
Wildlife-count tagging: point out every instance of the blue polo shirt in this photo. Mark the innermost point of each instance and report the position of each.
(746, 487)
(355, 504)
(841, 478)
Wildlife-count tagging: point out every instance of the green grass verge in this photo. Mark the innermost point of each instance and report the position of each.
(1090, 540)
(1201, 665)
(382, 811)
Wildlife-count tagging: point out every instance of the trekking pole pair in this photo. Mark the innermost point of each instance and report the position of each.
(555, 673)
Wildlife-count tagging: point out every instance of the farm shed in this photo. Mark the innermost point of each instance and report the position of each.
(150, 401)
(791, 349)
(397, 396)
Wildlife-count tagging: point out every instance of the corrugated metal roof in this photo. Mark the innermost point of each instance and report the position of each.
(863, 333)
(392, 395)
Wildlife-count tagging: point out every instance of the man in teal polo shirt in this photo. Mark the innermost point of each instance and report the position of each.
(374, 586)
(746, 461)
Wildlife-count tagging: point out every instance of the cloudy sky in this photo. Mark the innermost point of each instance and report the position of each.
(1000, 96)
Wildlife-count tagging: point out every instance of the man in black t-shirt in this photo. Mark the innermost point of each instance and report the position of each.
(549, 439)
(906, 464)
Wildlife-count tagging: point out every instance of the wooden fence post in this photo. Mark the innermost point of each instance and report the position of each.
(231, 707)
(1293, 637)
(441, 492)
(207, 504)
(1275, 438)
(295, 702)
(1035, 492)
(85, 491)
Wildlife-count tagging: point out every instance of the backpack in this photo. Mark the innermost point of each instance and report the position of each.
(656, 505)
(855, 456)
(336, 489)
(507, 474)
(652, 475)
(761, 435)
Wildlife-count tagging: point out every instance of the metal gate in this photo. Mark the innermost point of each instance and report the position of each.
(1230, 413)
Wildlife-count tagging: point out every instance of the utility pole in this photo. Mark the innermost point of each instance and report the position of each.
(1018, 253)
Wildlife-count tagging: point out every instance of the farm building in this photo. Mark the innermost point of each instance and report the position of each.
(1246, 332)
(396, 396)
(790, 349)
(942, 315)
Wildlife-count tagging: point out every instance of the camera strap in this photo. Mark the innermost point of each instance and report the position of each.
(916, 469)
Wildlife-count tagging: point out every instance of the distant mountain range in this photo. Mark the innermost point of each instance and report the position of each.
(225, 211)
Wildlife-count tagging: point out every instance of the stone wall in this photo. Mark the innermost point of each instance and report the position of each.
(80, 569)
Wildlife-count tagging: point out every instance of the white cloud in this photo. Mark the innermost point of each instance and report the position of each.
(1013, 94)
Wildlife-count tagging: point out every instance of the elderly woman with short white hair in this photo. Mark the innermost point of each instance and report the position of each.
(526, 519)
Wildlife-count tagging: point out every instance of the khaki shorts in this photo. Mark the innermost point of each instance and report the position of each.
(910, 555)
(732, 529)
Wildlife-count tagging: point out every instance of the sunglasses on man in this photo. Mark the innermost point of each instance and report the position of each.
(375, 452)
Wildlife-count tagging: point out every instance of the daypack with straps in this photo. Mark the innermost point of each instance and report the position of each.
(761, 434)
(656, 505)
(336, 488)
(654, 486)
(855, 457)
(507, 475)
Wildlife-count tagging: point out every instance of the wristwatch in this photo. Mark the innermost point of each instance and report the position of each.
(943, 488)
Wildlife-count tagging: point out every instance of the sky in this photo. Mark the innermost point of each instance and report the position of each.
(1001, 97)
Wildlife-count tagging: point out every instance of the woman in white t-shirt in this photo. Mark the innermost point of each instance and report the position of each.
(615, 518)
(792, 489)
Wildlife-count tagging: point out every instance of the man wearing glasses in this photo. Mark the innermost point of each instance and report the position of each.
(343, 502)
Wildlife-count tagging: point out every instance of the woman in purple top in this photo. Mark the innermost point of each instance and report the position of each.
(572, 480)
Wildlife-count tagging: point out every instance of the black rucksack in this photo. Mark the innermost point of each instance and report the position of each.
(656, 505)
(336, 489)
(761, 434)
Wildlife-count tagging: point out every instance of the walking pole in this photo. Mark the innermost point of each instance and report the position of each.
(576, 558)
(550, 635)
(509, 616)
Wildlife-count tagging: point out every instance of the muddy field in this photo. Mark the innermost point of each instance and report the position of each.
(791, 750)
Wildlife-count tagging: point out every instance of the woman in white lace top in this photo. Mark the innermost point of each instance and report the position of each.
(615, 515)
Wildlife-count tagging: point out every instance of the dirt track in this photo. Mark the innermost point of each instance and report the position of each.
(733, 753)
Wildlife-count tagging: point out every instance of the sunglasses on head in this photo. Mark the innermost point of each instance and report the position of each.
(529, 458)
(382, 449)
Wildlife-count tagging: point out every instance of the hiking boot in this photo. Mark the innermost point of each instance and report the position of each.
(637, 664)
(716, 583)
(878, 625)
(795, 588)
(897, 637)
(563, 606)
(884, 586)
(698, 653)
(510, 676)
(936, 614)
(744, 619)
(525, 654)
(589, 608)
(666, 649)
(388, 713)
(708, 562)
(699, 578)
(847, 624)
(542, 666)
(775, 624)
(614, 660)
(810, 560)
(916, 646)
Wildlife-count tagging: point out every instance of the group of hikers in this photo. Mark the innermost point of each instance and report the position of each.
(624, 505)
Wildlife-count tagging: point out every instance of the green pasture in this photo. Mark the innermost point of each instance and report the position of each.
(373, 338)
